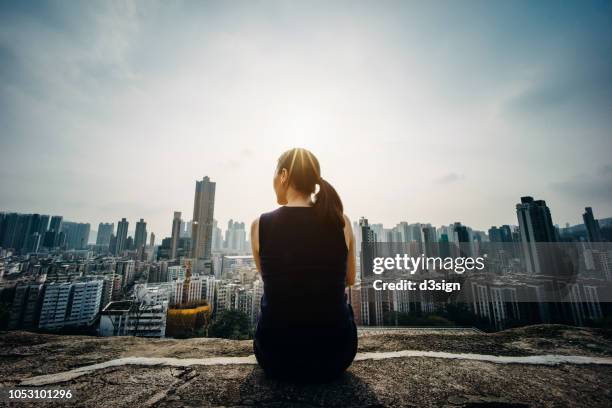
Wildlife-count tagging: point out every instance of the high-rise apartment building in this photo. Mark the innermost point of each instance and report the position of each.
(203, 211)
(125, 269)
(217, 238)
(70, 304)
(176, 231)
(122, 231)
(140, 235)
(235, 236)
(52, 236)
(76, 235)
(368, 248)
(105, 231)
(186, 229)
(536, 227)
(85, 303)
(592, 225)
(55, 306)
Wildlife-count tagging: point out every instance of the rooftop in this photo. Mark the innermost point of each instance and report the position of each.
(534, 366)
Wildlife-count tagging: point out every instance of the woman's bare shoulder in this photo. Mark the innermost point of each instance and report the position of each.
(255, 223)
(347, 223)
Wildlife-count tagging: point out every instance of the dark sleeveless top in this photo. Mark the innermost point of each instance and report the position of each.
(303, 267)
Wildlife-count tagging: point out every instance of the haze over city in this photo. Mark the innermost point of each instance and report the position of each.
(114, 110)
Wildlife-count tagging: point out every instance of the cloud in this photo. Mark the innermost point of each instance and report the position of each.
(588, 187)
(125, 104)
(449, 178)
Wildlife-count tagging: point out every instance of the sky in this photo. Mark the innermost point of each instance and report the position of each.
(429, 112)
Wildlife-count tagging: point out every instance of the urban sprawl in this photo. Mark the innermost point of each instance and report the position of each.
(52, 279)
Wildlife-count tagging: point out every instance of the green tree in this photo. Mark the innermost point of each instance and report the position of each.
(231, 324)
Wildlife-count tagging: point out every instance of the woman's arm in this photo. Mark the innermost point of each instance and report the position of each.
(350, 244)
(255, 243)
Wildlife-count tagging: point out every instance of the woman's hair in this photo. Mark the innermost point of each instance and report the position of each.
(304, 173)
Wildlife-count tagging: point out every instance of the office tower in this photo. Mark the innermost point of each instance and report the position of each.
(76, 235)
(105, 230)
(140, 236)
(235, 236)
(122, 230)
(152, 240)
(176, 231)
(592, 225)
(368, 248)
(536, 226)
(203, 211)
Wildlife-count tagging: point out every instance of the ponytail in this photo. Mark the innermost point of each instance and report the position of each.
(303, 174)
(328, 204)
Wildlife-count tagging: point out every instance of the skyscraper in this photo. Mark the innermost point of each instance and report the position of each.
(592, 225)
(122, 230)
(235, 236)
(536, 226)
(217, 239)
(368, 248)
(203, 211)
(176, 231)
(52, 235)
(501, 234)
(140, 236)
(105, 230)
(77, 235)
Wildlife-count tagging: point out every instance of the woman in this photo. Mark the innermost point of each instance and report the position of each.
(305, 253)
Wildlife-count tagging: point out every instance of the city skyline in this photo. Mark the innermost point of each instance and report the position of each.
(103, 237)
(103, 126)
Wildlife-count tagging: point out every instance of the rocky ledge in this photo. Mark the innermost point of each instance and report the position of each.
(534, 366)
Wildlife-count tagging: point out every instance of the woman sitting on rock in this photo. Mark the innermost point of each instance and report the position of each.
(305, 253)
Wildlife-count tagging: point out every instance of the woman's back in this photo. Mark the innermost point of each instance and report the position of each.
(303, 267)
(304, 251)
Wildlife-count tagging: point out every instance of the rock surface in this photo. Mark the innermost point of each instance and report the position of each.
(403, 381)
